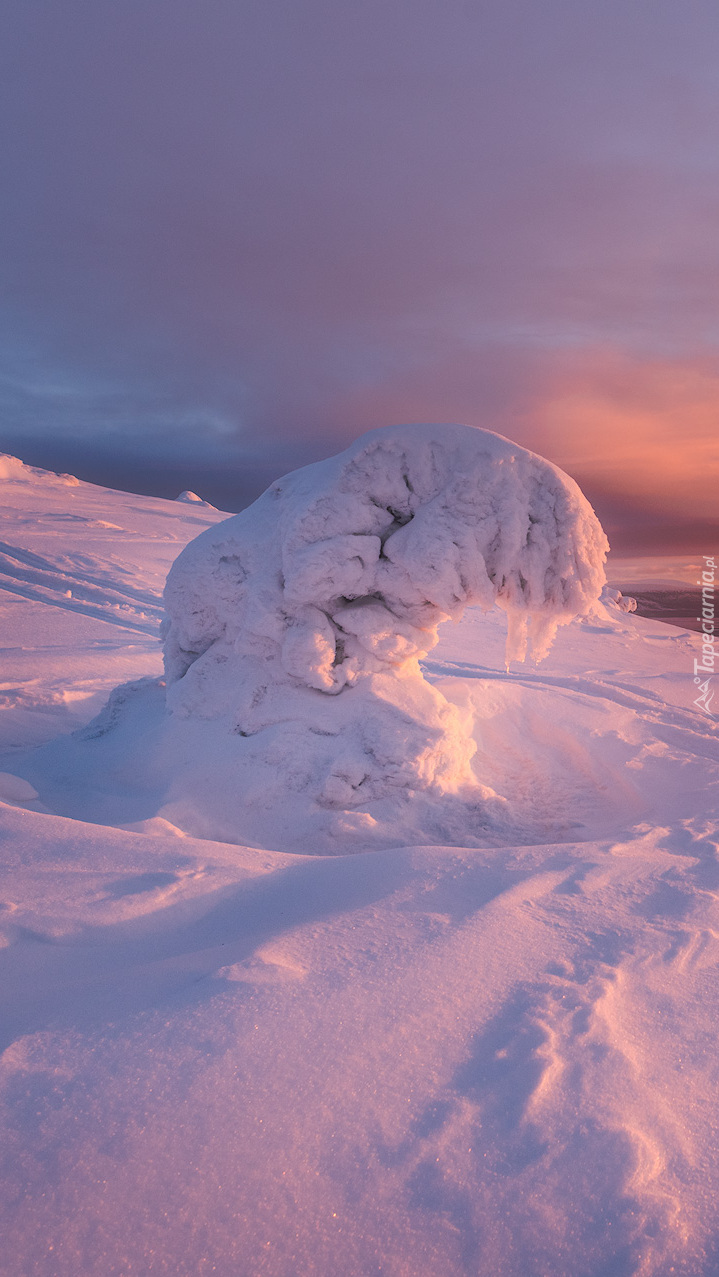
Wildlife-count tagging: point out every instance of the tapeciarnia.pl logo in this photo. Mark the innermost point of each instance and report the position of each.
(704, 669)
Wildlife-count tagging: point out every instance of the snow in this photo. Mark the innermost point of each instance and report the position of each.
(444, 1055)
(300, 624)
(350, 565)
(14, 469)
(615, 598)
(191, 498)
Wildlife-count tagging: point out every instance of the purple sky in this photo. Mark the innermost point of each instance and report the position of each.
(236, 234)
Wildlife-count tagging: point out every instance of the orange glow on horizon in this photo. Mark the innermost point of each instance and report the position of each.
(642, 430)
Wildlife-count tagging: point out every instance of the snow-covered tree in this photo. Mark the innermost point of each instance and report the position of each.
(313, 607)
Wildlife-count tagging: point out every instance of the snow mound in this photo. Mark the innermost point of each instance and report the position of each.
(312, 608)
(615, 598)
(14, 469)
(191, 498)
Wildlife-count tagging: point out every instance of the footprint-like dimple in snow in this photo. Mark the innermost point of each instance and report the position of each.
(266, 966)
(138, 883)
(13, 789)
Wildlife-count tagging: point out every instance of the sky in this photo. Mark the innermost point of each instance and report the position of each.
(235, 234)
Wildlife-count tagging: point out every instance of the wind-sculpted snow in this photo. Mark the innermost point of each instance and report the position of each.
(350, 565)
(14, 469)
(333, 585)
(494, 1058)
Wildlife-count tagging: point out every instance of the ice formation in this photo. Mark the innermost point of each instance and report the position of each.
(312, 608)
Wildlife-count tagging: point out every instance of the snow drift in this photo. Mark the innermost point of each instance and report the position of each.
(313, 607)
(436, 1060)
(13, 469)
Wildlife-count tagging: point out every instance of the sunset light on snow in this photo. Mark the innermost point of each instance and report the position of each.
(359, 546)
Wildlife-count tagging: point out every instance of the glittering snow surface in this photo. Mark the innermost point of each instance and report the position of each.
(486, 1045)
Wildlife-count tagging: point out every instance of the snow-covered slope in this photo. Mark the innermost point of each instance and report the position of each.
(82, 571)
(496, 1058)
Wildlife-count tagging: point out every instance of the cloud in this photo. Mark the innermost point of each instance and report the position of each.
(276, 225)
(645, 430)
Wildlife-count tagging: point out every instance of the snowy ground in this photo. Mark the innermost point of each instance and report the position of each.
(419, 1060)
